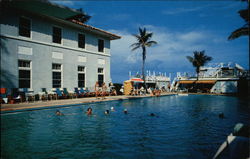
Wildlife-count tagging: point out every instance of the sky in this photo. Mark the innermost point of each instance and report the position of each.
(179, 27)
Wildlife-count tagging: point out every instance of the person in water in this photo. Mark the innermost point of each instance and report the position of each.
(112, 109)
(125, 111)
(152, 114)
(221, 115)
(89, 111)
(58, 113)
(106, 112)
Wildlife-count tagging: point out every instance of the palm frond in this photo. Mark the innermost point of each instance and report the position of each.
(138, 37)
(244, 14)
(136, 47)
(150, 43)
(142, 32)
(190, 59)
(199, 59)
(239, 32)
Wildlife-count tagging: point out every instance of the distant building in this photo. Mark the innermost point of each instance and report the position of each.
(44, 45)
(213, 78)
(153, 80)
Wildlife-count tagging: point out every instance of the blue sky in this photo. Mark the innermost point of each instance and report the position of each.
(179, 27)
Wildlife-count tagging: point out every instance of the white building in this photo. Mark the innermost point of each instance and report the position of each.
(44, 45)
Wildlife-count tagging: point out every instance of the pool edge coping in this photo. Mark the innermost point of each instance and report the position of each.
(76, 104)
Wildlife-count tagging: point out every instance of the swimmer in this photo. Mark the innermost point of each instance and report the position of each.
(221, 115)
(152, 114)
(125, 111)
(58, 113)
(112, 109)
(89, 111)
(106, 112)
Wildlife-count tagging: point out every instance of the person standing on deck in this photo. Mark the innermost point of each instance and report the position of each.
(96, 89)
(104, 90)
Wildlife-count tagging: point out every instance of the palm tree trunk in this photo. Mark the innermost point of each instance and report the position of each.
(143, 65)
(197, 71)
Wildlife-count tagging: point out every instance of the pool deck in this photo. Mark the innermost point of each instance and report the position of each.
(37, 105)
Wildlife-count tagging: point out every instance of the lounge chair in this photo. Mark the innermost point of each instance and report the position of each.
(59, 94)
(44, 94)
(28, 95)
(68, 94)
(16, 96)
(91, 94)
(83, 92)
(77, 92)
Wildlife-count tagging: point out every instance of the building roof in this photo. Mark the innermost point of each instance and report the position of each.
(88, 27)
(44, 7)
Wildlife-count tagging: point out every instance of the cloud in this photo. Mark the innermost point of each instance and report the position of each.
(181, 10)
(169, 55)
(202, 9)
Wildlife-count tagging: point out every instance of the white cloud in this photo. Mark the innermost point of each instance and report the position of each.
(171, 45)
(181, 10)
(168, 55)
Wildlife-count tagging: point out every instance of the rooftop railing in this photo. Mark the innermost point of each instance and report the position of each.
(217, 74)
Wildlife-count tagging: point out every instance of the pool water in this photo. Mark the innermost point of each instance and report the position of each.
(184, 127)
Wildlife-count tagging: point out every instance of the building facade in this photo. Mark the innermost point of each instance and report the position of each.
(50, 49)
(213, 78)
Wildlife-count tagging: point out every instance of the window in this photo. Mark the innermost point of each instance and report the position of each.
(81, 41)
(25, 64)
(24, 27)
(100, 45)
(100, 70)
(56, 75)
(100, 76)
(56, 66)
(57, 35)
(24, 74)
(81, 76)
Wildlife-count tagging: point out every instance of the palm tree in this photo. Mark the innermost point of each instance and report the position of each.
(143, 41)
(244, 30)
(199, 59)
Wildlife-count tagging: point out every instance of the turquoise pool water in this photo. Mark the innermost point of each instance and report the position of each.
(184, 127)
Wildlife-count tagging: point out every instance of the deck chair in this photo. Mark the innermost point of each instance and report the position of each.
(16, 96)
(28, 95)
(77, 92)
(83, 92)
(59, 94)
(67, 94)
(44, 95)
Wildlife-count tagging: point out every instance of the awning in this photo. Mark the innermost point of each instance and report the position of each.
(206, 81)
(186, 82)
(200, 81)
(136, 80)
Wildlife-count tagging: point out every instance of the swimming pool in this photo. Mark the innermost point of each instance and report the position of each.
(184, 127)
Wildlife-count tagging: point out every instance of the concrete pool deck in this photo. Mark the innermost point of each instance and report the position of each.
(5, 108)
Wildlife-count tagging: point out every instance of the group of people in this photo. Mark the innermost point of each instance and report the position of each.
(113, 109)
(89, 111)
(103, 90)
(141, 91)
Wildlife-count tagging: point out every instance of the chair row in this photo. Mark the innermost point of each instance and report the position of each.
(17, 95)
